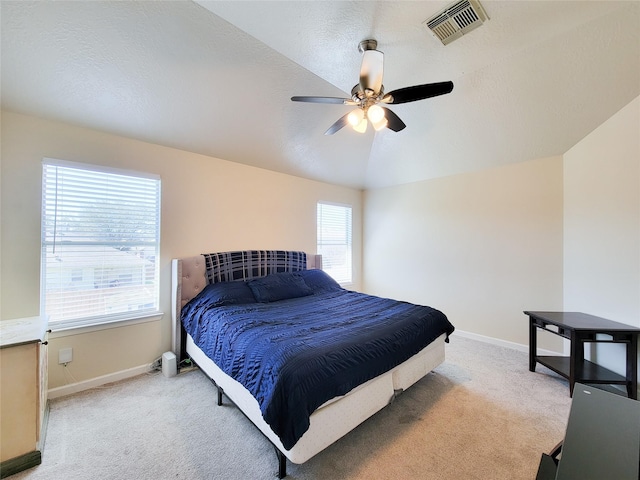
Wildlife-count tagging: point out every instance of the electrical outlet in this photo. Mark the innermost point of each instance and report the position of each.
(65, 355)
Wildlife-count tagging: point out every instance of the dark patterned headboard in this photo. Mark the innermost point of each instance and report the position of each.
(191, 274)
(248, 264)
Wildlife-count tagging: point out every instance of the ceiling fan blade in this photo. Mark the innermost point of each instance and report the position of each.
(393, 121)
(417, 92)
(371, 71)
(341, 101)
(342, 121)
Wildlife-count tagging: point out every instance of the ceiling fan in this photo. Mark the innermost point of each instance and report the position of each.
(369, 93)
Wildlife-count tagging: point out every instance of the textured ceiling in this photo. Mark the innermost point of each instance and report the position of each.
(216, 78)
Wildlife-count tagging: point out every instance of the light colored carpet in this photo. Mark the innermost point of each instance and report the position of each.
(480, 415)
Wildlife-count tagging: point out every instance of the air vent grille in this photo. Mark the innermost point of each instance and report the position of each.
(456, 20)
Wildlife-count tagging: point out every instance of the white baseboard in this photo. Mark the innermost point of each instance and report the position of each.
(132, 372)
(97, 381)
(501, 343)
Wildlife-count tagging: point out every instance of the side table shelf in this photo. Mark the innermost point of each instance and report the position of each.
(581, 328)
(586, 369)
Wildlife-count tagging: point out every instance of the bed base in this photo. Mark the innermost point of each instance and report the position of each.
(369, 398)
(282, 463)
(282, 459)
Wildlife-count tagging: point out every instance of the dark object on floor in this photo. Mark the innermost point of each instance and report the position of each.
(602, 439)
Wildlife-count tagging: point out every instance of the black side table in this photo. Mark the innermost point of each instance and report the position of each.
(581, 328)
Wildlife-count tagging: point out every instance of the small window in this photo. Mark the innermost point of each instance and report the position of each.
(100, 244)
(334, 241)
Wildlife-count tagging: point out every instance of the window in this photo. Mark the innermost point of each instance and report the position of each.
(100, 244)
(334, 240)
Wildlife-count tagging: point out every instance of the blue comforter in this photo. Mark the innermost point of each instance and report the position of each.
(295, 354)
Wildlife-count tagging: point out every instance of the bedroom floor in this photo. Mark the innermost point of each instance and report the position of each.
(480, 415)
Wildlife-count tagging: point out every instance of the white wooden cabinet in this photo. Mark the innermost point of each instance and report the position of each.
(23, 392)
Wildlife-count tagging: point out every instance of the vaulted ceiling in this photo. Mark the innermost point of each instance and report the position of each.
(216, 77)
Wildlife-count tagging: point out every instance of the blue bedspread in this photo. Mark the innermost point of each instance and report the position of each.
(295, 354)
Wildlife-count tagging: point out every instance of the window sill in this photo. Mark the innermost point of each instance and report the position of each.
(95, 327)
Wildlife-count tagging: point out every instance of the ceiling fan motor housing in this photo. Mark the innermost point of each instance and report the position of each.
(360, 96)
(369, 44)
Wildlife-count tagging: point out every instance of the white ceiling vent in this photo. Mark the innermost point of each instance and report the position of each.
(456, 20)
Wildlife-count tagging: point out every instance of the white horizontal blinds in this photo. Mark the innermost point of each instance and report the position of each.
(100, 244)
(335, 240)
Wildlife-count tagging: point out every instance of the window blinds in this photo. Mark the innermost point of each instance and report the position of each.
(100, 244)
(334, 240)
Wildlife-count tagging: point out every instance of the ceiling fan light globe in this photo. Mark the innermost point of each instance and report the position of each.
(380, 125)
(355, 117)
(375, 113)
(362, 126)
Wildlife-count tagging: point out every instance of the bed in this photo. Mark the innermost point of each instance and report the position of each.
(310, 384)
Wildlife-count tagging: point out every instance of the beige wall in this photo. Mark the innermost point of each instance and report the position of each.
(552, 233)
(556, 233)
(602, 225)
(208, 204)
(482, 247)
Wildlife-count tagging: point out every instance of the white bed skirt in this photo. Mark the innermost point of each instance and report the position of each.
(338, 416)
